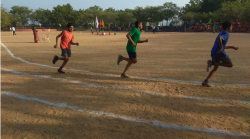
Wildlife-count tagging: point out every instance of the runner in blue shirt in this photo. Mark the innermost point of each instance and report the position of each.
(218, 53)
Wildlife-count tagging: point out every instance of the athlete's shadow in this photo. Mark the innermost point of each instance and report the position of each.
(168, 109)
(75, 75)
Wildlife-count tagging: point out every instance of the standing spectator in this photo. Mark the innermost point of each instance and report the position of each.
(35, 33)
(153, 27)
(215, 28)
(14, 31)
(10, 30)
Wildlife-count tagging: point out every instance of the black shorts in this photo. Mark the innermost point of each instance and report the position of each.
(66, 52)
(132, 55)
(225, 60)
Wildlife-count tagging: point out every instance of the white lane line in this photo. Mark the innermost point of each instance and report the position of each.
(127, 118)
(113, 75)
(124, 88)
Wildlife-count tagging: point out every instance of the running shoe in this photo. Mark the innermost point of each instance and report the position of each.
(119, 59)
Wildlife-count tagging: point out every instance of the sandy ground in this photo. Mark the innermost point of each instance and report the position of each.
(179, 56)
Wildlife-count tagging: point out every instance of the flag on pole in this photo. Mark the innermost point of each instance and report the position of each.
(93, 24)
(103, 23)
(179, 23)
(100, 23)
(96, 22)
(210, 21)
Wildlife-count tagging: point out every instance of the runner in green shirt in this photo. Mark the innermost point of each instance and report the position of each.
(133, 38)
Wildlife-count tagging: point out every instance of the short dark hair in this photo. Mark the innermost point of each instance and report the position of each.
(137, 23)
(226, 25)
(69, 25)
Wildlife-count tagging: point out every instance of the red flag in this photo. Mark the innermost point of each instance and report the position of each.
(100, 23)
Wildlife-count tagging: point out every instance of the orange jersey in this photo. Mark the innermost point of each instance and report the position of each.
(66, 39)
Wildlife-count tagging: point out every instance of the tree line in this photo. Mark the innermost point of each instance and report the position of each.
(198, 10)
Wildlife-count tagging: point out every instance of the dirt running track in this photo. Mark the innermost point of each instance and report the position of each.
(37, 102)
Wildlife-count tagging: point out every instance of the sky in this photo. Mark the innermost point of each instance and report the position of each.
(84, 4)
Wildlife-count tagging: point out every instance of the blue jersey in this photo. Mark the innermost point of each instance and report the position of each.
(214, 53)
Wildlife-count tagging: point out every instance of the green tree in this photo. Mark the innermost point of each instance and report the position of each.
(218, 10)
(110, 9)
(210, 5)
(205, 17)
(94, 11)
(14, 18)
(188, 16)
(5, 18)
(193, 6)
(129, 10)
(140, 14)
(246, 12)
(170, 10)
(154, 13)
(42, 16)
(109, 17)
(20, 14)
(231, 10)
(199, 10)
(124, 18)
(82, 17)
(64, 15)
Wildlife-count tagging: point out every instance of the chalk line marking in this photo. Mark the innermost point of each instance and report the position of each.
(123, 88)
(127, 118)
(113, 75)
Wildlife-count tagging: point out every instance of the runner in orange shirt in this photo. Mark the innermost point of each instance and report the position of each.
(67, 38)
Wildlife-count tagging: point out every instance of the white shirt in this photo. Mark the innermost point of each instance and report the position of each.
(13, 28)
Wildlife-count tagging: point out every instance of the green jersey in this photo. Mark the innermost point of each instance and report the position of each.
(135, 35)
